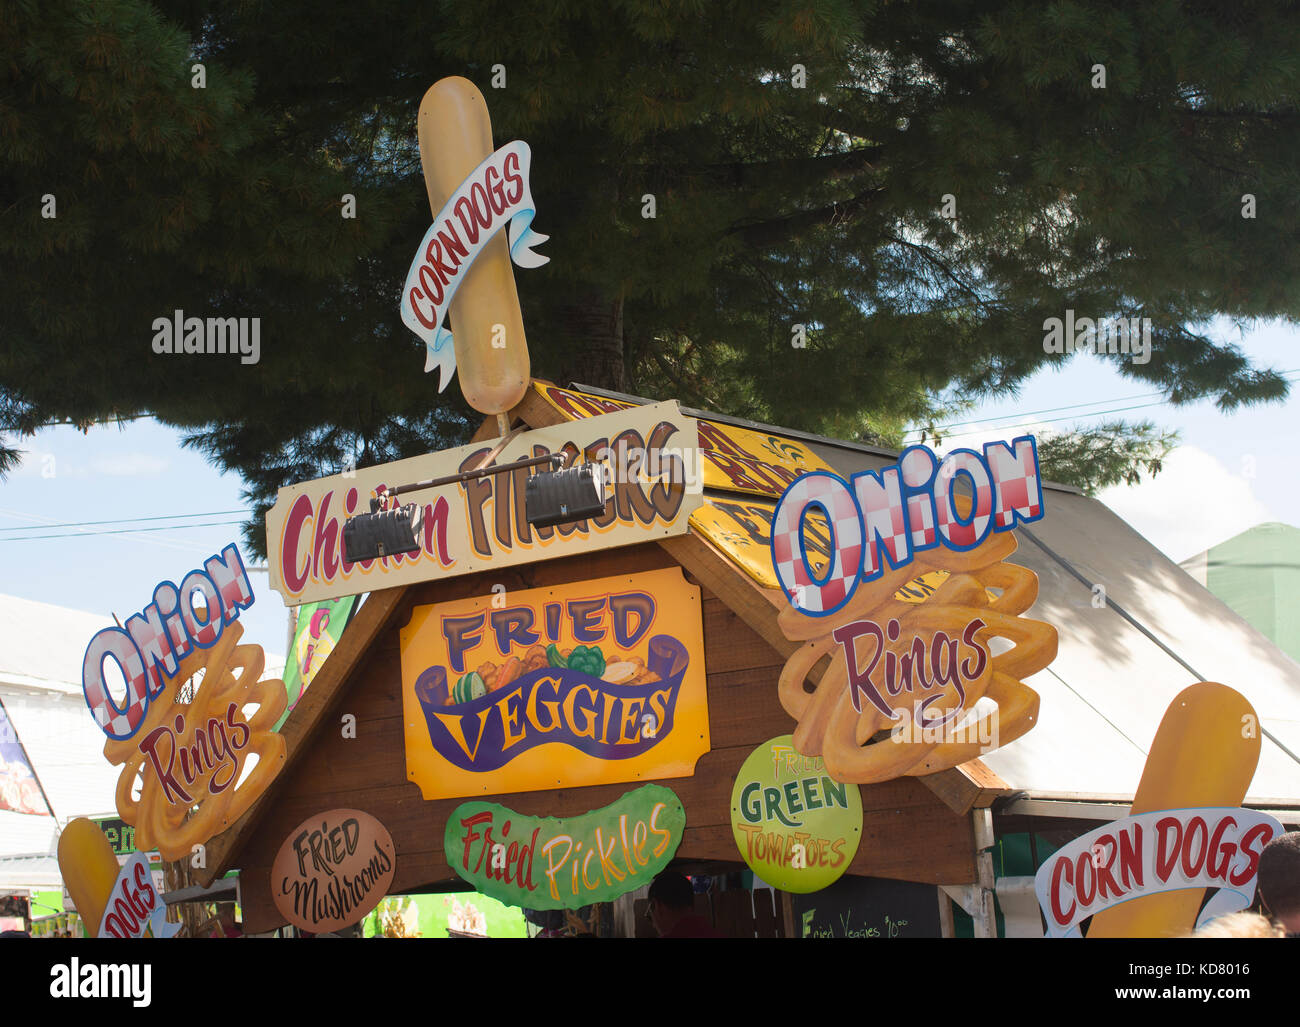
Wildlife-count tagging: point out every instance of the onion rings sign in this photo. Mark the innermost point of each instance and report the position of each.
(1214, 847)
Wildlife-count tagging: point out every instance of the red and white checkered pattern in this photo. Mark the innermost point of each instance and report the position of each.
(116, 722)
(918, 465)
(228, 574)
(880, 502)
(1017, 489)
(956, 534)
(204, 633)
(832, 495)
(150, 638)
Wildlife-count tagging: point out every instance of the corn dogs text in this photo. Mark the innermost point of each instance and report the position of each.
(464, 263)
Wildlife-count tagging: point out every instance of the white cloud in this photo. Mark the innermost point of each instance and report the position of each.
(130, 465)
(1192, 504)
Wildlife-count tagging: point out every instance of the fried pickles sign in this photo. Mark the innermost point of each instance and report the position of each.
(481, 524)
(565, 864)
(580, 684)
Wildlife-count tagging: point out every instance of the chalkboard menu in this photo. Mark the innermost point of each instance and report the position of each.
(868, 907)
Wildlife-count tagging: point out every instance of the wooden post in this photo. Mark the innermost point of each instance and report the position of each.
(787, 914)
(946, 929)
(985, 915)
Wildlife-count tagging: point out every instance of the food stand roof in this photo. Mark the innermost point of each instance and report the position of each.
(1103, 696)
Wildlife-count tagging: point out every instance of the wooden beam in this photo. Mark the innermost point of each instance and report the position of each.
(326, 688)
(533, 410)
(756, 606)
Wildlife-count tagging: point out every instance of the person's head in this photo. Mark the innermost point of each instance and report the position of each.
(1279, 880)
(671, 898)
(1240, 925)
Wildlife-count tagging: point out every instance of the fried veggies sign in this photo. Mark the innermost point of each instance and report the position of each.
(585, 683)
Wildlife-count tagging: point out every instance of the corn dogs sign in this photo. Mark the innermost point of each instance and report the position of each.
(495, 194)
(1155, 853)
(579, 684)
(481, 524)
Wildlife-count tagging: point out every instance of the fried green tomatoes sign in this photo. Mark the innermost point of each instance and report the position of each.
(797, 827)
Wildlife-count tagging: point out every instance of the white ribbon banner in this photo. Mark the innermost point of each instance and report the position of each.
(494, 194)
(1213, 847)
(135, 908)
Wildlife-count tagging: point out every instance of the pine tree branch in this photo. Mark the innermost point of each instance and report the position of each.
(790, 226)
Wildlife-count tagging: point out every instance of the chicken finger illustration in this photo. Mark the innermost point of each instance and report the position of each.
(464, 264)
(1204, 755)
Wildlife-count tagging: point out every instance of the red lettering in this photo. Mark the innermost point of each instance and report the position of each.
(1219, 867)
(469, 823)
(424, 319)
(511, 174)
(446, 272)
(714, 439)
(1260, 834)
(495, 190)
(235, 727)
(580, 407)
(1130, 857)
(435, 530)
(1085, 880)
(299, 514)
(172, 791)
(1107, 886)
(453, 245)
(1062, 869)
(1193, 867)
(326, 543)
(482, 206)
(1167, 829)
(465, 211)
(429, 281)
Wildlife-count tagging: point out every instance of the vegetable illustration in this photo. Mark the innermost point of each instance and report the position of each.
(470, 686)
(587, 660)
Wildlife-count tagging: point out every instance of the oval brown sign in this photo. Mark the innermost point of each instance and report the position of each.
(332, 870)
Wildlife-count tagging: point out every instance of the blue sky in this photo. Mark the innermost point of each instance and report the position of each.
(1231, 471)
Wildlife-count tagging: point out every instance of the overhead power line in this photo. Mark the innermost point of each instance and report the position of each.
(1069, 406)
(125, 520)
(118, 531)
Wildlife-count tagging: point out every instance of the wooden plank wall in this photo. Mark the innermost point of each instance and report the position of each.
(908, 833)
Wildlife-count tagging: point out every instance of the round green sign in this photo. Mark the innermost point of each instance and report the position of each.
(795, 825)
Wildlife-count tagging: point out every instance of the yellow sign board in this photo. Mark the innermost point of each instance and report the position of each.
(481, 524)
(732, 458)
(742, 529)
(580, 684)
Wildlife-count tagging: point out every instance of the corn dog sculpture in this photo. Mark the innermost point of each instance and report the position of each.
(1204, 756)
(113, 901)
(463, 268)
